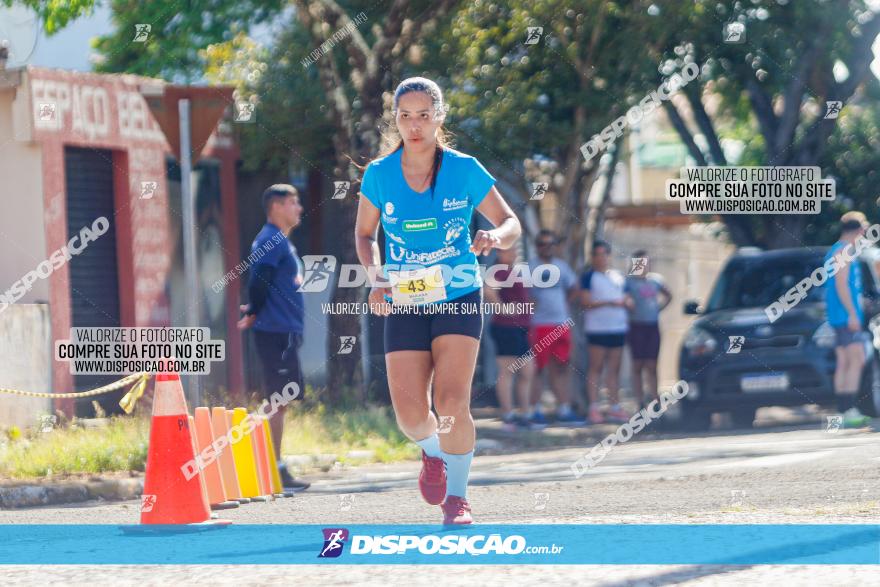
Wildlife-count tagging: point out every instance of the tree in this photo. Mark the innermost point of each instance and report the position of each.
(55, 15)
(798, 56)
(513, 101)
(178, 34)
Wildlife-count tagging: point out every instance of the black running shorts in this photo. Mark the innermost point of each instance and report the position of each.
(414, 331)
(279, 356)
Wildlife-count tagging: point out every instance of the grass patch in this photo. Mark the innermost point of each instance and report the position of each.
(121, 445)
(322, 431)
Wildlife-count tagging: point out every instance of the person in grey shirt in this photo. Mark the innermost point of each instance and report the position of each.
(649, 295)
(550, 333)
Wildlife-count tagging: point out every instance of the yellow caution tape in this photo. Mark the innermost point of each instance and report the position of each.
(134, 394)
(127, 403)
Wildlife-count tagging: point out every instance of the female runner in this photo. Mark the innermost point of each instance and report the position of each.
(425, 193)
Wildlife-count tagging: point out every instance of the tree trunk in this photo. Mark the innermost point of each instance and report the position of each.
(596, 220)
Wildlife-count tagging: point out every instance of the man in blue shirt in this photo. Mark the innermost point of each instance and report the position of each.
(276, 309)
(846, 317)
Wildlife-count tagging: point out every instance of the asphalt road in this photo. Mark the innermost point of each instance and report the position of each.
(795, 474)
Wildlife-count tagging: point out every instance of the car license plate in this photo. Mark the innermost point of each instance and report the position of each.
(764, 382)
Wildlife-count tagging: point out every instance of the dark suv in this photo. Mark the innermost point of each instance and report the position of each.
(736, 361)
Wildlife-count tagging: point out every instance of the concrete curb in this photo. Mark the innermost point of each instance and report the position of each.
(30, 495)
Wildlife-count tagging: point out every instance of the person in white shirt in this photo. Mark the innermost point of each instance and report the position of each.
(605, 324)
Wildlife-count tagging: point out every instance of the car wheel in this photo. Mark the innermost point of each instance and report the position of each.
(743, 417)
(694, 419)
(869, 393)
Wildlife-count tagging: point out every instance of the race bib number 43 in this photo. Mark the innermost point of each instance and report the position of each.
(419, 286)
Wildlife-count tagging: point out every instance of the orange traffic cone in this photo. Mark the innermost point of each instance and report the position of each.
(211, 472)
(262, 461)
(227, 462)
(201, 475)
(274, 475)
(243, 452)
(172, 487)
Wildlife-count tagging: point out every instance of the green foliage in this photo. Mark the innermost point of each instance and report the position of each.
(768, 96)
(502, 90)
(322, 431)
(292, 123)
(55, 14)
(120, 446)
(178, 32)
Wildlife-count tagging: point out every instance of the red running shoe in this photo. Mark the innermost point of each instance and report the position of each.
(456, 510)
(432, 479)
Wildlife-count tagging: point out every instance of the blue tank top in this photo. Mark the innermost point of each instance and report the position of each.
(837, 314)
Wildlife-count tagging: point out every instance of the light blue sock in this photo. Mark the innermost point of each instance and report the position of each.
(430, 445)
(458, 468)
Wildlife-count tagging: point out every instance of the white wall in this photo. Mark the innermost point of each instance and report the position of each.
(25, 363)
(22, 237)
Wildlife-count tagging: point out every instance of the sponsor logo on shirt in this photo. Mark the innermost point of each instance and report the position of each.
(419, 225)
(450, 204)
(401, 254)
(389, 208)
(454, 228)
(394, 237)
(389, 219)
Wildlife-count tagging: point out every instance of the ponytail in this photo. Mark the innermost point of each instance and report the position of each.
(435, 169)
